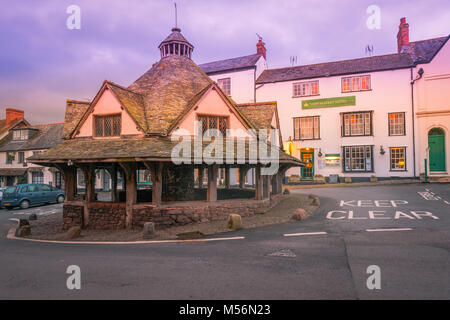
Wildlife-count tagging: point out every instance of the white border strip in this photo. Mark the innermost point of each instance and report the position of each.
(11, 235)
(303, 234)
(393, 229)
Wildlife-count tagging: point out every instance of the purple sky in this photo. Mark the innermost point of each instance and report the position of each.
(42, 63)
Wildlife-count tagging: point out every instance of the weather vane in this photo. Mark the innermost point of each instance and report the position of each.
(176, 22)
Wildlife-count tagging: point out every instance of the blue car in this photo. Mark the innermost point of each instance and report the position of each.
(24, 195)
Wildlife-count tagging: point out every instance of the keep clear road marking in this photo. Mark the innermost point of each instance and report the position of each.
(393, 229)
(303, 234)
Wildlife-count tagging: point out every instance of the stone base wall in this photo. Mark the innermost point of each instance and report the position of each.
(106, 216)
(112, 216)
(72, 215)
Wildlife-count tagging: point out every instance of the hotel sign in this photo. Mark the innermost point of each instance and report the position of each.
(329, 102)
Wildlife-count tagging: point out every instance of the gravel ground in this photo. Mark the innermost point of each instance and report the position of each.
(50, 227)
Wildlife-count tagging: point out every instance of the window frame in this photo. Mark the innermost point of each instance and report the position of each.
(40, 177)
(298, 138)
(365, 159)
(404, 124)
(404, 159)
(218, 117)
(10, 157)
(103, 117)
(309, 94)
(21, 157)
(343, 114)
(360, 83)
(229, 85)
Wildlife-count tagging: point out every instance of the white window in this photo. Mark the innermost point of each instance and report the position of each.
(225, 85)
(357, 124)
(308, 88)
(358, 158)
(20, 134)
(397, 124)
(398, 159)
(358, 83)
(306, 128)
(37, 177)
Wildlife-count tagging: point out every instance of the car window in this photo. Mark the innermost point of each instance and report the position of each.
(24, 189)
(45, 187)
(32, 188)
(10, 190)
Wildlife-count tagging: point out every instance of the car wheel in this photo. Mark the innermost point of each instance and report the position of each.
(25, 204)
(60, 199)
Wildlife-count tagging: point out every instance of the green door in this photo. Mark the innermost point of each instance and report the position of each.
(307, 171)
(436, 144)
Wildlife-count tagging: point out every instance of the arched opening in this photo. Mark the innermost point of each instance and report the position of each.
(436, 149)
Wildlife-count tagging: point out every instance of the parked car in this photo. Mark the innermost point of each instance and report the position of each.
(24, 195)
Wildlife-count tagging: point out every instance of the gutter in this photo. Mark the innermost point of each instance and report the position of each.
(420, 74)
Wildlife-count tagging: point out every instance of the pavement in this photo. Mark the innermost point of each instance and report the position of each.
(400, 231)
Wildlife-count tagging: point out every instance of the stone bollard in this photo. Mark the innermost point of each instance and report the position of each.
(32, 216)
(72, 233)
(23, 222)
(24, 231)
(148, 231)
(286, 191)
(234, 222)
(299, 214)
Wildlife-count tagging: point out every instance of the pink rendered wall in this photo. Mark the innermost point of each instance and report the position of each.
(212, 104)
(108, 104)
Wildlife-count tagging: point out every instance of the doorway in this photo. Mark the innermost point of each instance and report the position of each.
(436, 145)
(307, 156)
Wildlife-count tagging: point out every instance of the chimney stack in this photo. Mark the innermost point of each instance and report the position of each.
(260, 48)
(403, 34)
(13, 115)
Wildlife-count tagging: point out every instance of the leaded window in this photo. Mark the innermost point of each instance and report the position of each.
(213, 122)
(107, 126)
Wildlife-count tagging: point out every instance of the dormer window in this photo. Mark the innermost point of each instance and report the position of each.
(107, 126)
(19, 135)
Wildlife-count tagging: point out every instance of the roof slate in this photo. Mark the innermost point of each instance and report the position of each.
(167, 89)
(368, 64)
(424, 50)
(74, 112)
(127, 149)
(231, 64)
(259, 114)
(46, 136)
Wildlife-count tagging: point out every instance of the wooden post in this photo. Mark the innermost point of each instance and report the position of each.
(243, 170)
(129, 169)
(266, 187)
(156, 175)
(258, 183)
(212, 183)
(200, 177)
(89, 178)
(113, 173)
(227, 177)
(69, 174)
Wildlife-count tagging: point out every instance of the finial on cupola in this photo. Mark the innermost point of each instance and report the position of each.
(175, 43)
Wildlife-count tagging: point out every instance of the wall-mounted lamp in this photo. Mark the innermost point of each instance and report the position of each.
(382, 150)
(320, 153)
(70, 163)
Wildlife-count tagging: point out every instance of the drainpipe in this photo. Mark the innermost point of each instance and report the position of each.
(420, 74)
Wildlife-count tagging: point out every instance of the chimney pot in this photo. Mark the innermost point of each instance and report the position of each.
(402, 35)
(261, 48)
(13, 115)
